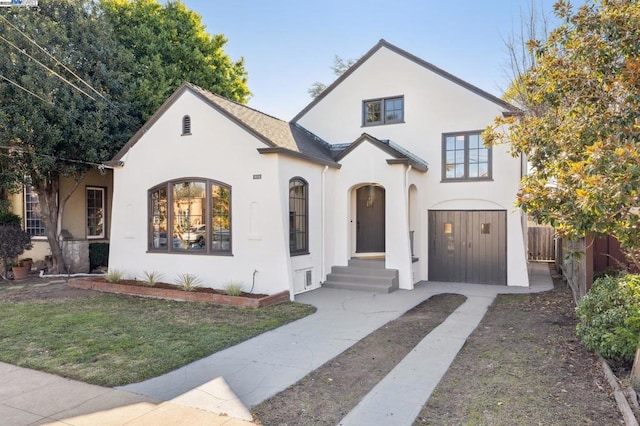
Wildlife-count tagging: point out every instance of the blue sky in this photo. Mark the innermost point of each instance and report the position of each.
(289, 44)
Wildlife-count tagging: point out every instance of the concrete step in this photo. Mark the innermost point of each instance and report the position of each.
(367, 263)
(359, 287)
(372, 272)
(363, 275)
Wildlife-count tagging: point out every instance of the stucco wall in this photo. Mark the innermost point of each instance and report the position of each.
(217, 149)
(433, 105)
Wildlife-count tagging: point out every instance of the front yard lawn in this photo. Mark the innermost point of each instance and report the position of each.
(112, 340)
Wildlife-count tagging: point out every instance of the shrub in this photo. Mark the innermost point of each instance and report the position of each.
(233, 288)
(610, 317)
(188, 282)
(13, 242)
(114, 275)
(10, 219)
(151, 278)
(98, 255)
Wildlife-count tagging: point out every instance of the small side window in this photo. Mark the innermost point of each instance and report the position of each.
(186, 125)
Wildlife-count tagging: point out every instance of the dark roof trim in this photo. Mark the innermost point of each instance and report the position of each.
(383, 43)
(518, 113)
(398, 157)
(150, 122)
(294, 154)
(417, 166)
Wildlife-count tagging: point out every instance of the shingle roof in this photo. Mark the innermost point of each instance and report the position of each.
(275, 133)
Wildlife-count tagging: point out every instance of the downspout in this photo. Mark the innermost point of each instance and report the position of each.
(322, 220)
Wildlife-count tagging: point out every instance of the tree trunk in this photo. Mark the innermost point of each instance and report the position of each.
(635, 371)
(47, 190)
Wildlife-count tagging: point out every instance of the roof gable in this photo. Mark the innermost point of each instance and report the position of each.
(273, 132)
(429, 66)
(399, 154)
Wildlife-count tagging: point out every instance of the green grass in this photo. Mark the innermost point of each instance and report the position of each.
(115, 340)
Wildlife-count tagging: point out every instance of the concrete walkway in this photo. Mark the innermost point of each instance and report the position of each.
(240, 377)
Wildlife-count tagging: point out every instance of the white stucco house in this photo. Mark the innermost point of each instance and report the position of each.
(386, 169)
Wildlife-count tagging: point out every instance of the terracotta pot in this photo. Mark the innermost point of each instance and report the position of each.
(20, 272)
(28, 262)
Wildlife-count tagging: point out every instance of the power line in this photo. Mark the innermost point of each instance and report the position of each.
(52, 57)
(47, 68)
(23, 88)
(68, 160)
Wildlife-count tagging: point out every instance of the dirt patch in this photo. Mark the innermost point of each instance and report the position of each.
(36, 288)
(524, 365)
(327, 394)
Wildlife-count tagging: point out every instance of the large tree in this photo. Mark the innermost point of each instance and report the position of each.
(581, 127)
(171, 45)
(63, 102)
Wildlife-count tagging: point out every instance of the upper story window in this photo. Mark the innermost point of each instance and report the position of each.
(190, 216)
(298, 216)
(32, 221)
(383, 111)
(186, 125)
(465, 157)
(96, 217)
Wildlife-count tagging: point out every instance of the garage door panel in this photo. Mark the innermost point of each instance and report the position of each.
(467, 246)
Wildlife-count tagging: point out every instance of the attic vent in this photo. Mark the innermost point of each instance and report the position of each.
(186, 125)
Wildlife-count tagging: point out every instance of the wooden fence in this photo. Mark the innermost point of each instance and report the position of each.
(541, 243)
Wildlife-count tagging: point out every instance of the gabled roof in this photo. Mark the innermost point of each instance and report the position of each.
(399, 154)
(383, 43)
(280, 136)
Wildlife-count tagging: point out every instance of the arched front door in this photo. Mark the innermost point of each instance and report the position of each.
(370, 219)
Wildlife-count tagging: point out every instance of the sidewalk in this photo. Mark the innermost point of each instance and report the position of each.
(238, 378)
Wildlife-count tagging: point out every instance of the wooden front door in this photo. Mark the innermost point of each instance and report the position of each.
(370, 205)
(468, 246)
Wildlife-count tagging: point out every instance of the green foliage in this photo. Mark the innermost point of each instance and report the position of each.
(152, 278)
(98, 255)
(233, 289)
(114, 275)
(171, 46)
(580, 130)
(10, 219)
(340, 65)
(13, 242)
(610, 317)
(188, 282)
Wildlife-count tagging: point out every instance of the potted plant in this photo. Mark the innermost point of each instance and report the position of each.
(13, 242)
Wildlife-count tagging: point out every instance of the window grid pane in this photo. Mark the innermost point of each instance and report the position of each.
(159, 231)
(95, 212)
(33, 223)
(188, 214)
(372, 112)
(220, 218)
(298, 218)
(466, 157)
(393, 110)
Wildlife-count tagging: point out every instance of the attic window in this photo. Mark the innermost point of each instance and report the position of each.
(186, 125)
(383, 111)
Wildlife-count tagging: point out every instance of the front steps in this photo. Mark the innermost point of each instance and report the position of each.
(363, 275)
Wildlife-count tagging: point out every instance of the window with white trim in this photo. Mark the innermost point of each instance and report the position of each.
(32, 221)
(96, 215)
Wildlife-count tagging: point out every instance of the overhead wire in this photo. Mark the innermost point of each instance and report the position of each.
(53, 57)
(46, 67)
(23, 88)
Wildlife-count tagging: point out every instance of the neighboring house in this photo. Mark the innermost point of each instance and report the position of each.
(386, 165)
(86, 218)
